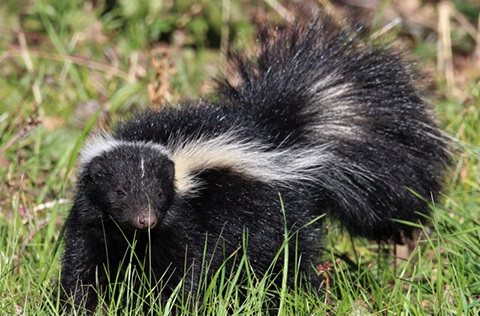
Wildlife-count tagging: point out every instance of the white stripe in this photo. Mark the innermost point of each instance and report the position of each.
(142, 167)
(249, 159)
(101, 143)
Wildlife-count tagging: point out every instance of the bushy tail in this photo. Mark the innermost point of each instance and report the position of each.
(315, 85)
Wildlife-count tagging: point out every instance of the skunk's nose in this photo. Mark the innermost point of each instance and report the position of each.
(146, 220)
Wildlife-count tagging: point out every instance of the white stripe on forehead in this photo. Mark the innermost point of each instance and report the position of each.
(102, 143)
(142, 167)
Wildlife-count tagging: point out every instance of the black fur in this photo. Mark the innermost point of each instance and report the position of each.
(313, 89)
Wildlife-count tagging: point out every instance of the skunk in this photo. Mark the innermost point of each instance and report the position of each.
(321, 122)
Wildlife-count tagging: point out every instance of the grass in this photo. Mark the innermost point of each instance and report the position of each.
(71, 66)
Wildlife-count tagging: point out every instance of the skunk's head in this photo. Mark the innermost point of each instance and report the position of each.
(130, 183)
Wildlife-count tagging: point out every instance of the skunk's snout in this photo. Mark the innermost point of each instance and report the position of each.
(146, 220)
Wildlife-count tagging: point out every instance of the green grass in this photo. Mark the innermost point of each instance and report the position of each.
(62, 61)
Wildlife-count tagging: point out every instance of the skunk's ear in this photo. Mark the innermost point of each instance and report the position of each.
(169, 167)
(96, 168)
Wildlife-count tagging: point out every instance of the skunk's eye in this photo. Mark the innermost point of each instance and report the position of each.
(120, 193)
